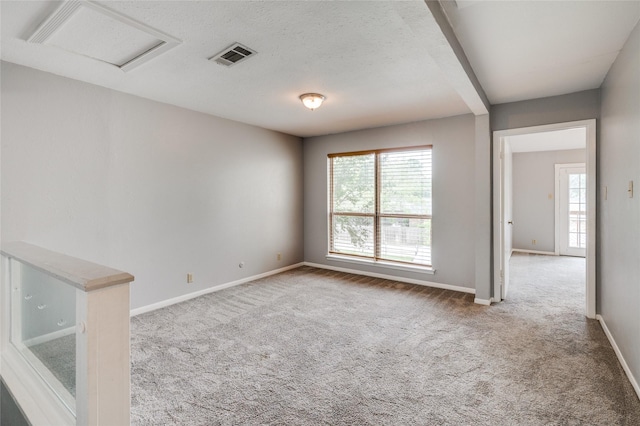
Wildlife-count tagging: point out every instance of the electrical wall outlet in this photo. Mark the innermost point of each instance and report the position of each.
(279, 257)
(533, 242)
(189, 278)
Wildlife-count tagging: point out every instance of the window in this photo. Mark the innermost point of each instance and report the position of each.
(380, 205)
(577, 210)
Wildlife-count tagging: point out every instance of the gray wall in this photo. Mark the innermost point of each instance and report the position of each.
(533, 210)
(483, 203)
(619, 215)
(555, 109)
(152, 189)
(453, 223)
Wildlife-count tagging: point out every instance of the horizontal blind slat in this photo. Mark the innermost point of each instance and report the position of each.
(404, 207)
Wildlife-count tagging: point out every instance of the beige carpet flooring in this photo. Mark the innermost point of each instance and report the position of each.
(59, 356)
(315, 347)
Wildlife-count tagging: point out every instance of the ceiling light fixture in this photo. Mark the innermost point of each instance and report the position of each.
(312, 100)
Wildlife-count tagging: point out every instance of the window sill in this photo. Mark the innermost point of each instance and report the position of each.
(383, 264)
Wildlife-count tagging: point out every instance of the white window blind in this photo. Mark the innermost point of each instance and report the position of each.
(380, 205)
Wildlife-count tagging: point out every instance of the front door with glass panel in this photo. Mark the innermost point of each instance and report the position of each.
(572, 200)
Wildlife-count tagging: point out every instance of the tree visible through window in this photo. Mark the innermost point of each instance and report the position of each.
(380, 205)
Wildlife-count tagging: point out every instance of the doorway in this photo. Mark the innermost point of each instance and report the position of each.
(502, 205)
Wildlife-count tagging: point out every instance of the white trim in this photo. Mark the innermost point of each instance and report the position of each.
(383, 264)
(484, 302)
(549, 253)
(501, 155)
(47, 376)
(592, 201)
(15, 297)
(393, 278)
(189, 296)
(49, 336)
(103, 357)
(556, 211)
(616, 349)
(36, 400)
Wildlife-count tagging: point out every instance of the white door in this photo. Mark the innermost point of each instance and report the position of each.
(507, 210)
(572, 210)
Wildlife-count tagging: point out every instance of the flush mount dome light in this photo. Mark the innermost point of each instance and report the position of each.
(312, 100)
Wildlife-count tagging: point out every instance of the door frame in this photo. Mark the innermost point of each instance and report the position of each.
(499, 141)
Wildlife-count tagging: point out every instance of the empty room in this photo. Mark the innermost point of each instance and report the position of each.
(320, 212)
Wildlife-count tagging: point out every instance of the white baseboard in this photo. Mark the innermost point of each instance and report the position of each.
(548, 253)
(185, 297)
(624, 364)
(49, 336)
(393, 278)
(483, 301)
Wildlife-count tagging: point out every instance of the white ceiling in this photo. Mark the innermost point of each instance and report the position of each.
(549, 141)
(533, 49)
(378, 62)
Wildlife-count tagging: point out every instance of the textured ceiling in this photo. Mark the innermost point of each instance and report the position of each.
(377, 62)
(370, 59)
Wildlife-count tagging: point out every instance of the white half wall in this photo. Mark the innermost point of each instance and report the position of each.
(145, 187)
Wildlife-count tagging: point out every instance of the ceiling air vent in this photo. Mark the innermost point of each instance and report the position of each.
(232, 55)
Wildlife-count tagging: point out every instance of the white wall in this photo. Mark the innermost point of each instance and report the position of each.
(149, 188)
(453, 223)
(619, 216)
(533, 210)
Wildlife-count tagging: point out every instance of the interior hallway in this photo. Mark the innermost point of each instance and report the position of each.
(555, 283)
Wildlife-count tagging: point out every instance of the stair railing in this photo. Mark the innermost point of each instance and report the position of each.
(64, 337)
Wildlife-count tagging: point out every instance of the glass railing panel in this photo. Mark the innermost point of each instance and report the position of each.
(43, 319)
